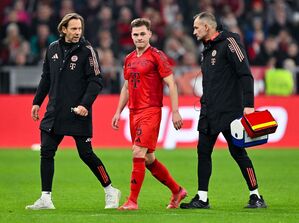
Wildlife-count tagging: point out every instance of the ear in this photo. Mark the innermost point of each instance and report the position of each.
(206, 27)
(63, 29)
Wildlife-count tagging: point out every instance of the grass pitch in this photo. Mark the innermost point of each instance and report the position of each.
(78, 196)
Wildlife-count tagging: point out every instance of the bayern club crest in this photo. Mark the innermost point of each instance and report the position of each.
(214, 52)
(74, 58)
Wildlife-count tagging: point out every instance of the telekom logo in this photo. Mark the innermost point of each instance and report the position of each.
(169, 137)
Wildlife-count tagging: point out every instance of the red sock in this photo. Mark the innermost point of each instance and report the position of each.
(160, 172)
(137, 177)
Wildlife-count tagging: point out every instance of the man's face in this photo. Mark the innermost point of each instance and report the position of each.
(200, 29)
(141, 36)
(73, 31)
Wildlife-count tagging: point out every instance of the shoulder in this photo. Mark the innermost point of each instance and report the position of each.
(53, 44)
(232, 38)
(159, 55)
(129, 56)
(235, 46)
(156, 52)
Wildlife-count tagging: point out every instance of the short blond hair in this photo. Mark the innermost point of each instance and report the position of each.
(65, 21)
(141, 22)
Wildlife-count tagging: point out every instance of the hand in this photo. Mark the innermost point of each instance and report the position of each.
(248, 110)
(80, 110)
(115, 120)
(34, 112)
(177, 120)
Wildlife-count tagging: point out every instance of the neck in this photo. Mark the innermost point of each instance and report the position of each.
(212, 35)
(140, 51)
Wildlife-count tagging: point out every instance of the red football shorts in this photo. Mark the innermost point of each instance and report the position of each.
(144, 126)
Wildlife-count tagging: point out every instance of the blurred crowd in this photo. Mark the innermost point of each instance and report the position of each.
(268, 28)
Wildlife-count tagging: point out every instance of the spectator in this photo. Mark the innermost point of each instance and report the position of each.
(41, 41)
(111, 76)
(44, 14)
(124, 30)
(13, 44)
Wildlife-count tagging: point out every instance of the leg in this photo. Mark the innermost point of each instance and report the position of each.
(160, 172)
(49, 144)
(246, 167)
(205, 146)
(204, 152)
(91, 160)
(243, 160)
(112, 195)
(137, 177)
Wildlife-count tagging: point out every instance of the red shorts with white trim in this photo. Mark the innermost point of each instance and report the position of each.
(144, 126)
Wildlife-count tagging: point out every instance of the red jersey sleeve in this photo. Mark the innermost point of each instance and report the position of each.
(126, 75)
(164, 66)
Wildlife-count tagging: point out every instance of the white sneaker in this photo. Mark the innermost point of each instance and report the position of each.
(112, 198)
(41, 204)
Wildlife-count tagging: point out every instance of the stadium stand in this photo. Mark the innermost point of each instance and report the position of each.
(267, 28)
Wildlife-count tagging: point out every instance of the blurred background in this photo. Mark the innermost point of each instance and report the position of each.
(268, 29)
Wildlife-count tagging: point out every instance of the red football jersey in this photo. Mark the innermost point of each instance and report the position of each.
(145, 77)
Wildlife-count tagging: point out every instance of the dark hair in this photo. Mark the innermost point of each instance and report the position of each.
(65, 21)
(141, 22)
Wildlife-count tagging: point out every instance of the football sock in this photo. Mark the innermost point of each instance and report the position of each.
(203, 195)
(137, 178)
(108, 188)
(46, 195)
(160, 172)
(256, 192)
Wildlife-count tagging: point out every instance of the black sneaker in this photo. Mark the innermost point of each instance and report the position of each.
(255, 202)
(195, 203)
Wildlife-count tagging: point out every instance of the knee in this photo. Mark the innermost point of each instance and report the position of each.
(149, 160)
(85, 155)
(47, 154)
(139, 152)
(201, 153)
(238, 154)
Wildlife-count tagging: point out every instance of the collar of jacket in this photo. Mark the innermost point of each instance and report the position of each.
(222, 36)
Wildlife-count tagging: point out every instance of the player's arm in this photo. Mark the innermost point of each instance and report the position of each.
(123, 100)
(239, 61)
(173, 93)
(94, 83)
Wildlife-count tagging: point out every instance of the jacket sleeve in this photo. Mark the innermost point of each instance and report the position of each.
(94, 80)
(44, 84)
(238, 59)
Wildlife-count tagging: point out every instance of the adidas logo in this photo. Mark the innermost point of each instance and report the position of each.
(133, 181)
(138, 140)
(88, 140)
(55, 56)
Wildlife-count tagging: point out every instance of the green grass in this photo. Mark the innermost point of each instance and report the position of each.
(78, 197)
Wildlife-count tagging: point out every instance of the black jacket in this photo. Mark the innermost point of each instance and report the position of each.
(227, 83)
(70, 78)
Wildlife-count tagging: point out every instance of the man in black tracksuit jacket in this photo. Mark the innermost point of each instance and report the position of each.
(71, 78)
(227, 94)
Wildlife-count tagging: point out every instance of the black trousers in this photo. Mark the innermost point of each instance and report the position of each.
(49, 145)
(205, 147)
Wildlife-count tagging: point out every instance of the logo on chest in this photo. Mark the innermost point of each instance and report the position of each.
(213, 59)
(74, 58)
(55, 57)
(135, 79)
(72, 66)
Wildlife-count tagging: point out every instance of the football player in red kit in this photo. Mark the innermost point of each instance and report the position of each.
(145, 70)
